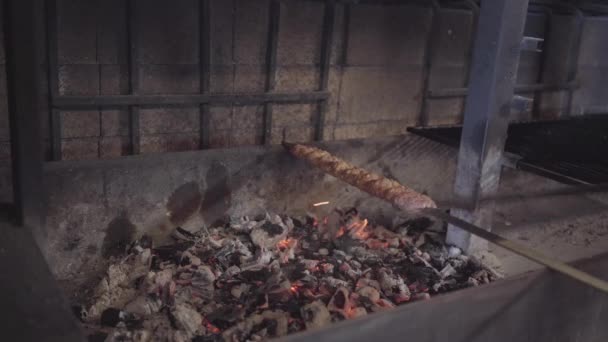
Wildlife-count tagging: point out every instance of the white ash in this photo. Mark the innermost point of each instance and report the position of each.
(256, 279)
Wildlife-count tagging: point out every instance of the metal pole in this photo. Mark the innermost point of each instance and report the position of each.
(492, 81)
(22, 73)
(271, 64)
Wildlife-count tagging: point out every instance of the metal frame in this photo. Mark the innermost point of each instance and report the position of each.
(488, 106)
(133, 101)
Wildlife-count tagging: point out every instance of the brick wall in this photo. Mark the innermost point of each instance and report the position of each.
(376, 75)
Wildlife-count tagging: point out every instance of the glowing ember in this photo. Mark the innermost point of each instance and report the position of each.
(287, 243)
(320, 204)
(210, 327)
(229, 286)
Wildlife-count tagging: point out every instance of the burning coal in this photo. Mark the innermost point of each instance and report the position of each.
(255, 279)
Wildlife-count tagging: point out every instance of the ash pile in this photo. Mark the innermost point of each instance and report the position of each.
(259, 278)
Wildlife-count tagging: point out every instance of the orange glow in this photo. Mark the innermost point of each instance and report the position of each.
(320, 204)
(287, 243)
(294, 289)
(340, 232)
(210, 327)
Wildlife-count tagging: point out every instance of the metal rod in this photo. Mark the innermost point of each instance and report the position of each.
(423, 118)
(205, 69)
(329, 18)
(520, 89)
(53, 78)
(271, 64)
(186, 99)
(521, 250)
(133, 69)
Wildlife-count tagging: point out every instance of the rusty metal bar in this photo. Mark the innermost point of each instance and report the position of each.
(205, 69)
(519, 89)
(329, 18)
(187, 99)
(271, 65)
(133, 69)
(423, 118)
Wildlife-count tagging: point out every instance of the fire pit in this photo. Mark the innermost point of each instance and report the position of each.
(258, 278)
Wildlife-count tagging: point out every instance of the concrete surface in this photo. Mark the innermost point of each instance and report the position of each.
(33, 307)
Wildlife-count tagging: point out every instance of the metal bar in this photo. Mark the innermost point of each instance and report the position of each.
(488, 105)
(205, 69)
(53, 77)
(271, 64)
(23, 78)
(329, 19)
(187, 99)
(131, 18)
(474, 7)
(519, 89)
(521, 250)
(423, 118)
(573, 60)
(544, 57)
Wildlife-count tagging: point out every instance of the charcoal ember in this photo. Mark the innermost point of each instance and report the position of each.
(364, 281)
(393, 286)
(110, 317)
(352, 273)
(238, 290)
(308, 264)
(223, 317)
(340, 302)
(123, 334)
(447, 271)
(187, 319)
(230, 249)
(256, 279)
(268, 235)
(144, 305)
(203, 281)
(326, 268)
(369, 293)
(162, 278)
(334, 282)
(315, 315)
(117, 287)
(189, 259)
(277, 319)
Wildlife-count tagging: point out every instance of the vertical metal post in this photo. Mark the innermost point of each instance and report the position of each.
(573, 60)
(488, 105)
(423, 118)
(21, 21)
(133, 67)
(53, 78)
(329, 19)
(544, 57)
(205, 69)
(271, 65)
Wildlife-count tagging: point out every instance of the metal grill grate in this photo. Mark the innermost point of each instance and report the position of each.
(571, 151)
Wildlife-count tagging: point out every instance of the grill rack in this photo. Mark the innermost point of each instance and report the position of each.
(570, 151)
